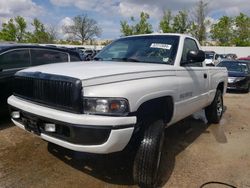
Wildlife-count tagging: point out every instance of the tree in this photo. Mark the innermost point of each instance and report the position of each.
(9, 31)
(180, 22)
(142, 27)
(242, 30)
(165, 23)
(198, 27)
(223, 31)
(126, 29)
(39, 35)
(83, 28)
(21, 26)
(52, 33)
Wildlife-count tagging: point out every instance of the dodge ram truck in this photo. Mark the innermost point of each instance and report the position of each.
(133, 89)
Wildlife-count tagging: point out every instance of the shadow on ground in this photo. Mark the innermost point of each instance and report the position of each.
(236, 91)
(117, 168)
(5, 121)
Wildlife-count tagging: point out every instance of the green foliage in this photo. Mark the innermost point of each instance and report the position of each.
(181, 23)
(242, 30)
(174, 24)
(21, 26)
(39, 34)
(166, 21)
(222, 32)
(9, 31)
(15, 30)
(232, 31)
(142, 27)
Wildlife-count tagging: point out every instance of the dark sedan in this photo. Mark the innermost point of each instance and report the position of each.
(238, 74)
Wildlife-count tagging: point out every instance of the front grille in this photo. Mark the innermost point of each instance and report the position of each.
(59, 92)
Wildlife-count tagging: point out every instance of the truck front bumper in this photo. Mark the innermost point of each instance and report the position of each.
(78, 132)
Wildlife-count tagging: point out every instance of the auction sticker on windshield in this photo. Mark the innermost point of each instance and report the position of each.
(160, 45)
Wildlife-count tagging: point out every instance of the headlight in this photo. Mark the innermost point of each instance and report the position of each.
(106, 106)
(235, 79)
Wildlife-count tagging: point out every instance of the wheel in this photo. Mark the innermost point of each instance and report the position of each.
(148, 155)
(248, 89)
(215, 110)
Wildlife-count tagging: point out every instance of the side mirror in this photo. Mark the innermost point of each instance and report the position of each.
(195, 56)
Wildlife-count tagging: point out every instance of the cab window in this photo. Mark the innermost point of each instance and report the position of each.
(44, 56)
(15, 59)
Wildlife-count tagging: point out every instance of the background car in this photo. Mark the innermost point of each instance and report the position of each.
(238, 74)
(231, 56)
(245, 58)
(211, 58)
(14, 57)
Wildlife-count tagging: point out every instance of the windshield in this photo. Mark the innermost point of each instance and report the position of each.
(234, 66)
(149, 49)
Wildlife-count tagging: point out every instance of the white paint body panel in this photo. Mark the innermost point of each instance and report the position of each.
(117, 141)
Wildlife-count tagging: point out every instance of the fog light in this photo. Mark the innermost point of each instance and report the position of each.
(15, 114)
(50, 127)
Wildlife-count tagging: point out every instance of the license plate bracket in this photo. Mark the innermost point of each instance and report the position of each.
(31, 125)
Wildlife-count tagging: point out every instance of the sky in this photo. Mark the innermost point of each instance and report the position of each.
(109, 13)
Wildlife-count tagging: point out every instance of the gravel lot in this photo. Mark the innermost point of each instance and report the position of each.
(194, 153)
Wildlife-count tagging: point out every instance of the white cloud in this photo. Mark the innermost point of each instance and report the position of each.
(229, 8)
(24, 8)
(128, 9)
(64, 22)
(106, 6)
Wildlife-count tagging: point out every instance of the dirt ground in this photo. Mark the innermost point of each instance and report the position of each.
(194, 154)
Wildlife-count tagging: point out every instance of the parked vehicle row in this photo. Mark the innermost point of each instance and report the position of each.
(212, 58)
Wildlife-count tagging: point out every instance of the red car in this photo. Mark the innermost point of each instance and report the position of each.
(245, 58)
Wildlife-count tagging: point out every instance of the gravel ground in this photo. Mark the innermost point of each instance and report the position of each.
(194, 153)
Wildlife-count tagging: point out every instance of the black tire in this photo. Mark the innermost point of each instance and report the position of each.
(215, 110)
(248, 89)
(148, 155)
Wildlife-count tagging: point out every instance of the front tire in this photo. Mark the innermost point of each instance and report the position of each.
(148, 156)
(215, 110)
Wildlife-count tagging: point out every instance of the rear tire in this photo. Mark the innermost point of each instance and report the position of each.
(148, 155)
(215, 110)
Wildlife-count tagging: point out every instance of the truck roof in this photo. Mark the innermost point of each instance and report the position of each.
(160, 34)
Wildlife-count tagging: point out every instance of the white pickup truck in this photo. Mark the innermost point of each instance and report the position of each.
(135, 88)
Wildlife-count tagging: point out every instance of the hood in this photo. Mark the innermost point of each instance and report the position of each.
(236, 74)
(92, 73)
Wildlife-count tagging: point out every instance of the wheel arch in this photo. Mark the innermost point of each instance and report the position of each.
(221, 87)
(161, 108)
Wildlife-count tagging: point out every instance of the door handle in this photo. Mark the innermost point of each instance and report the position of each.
(205, 75)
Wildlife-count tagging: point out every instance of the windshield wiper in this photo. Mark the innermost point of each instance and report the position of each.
(126, 59)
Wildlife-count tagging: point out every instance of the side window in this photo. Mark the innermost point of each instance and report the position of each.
(74, 58)
(44, 56)
(15, 59)
(190, 45)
